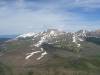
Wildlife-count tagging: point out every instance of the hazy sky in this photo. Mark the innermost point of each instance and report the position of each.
(21, 16)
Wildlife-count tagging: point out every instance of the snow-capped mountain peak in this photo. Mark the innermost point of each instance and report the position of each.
(53, 33)
(30, 34)
(75, 38)
(82, 33)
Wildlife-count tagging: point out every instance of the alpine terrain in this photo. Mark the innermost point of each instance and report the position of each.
(51, 52)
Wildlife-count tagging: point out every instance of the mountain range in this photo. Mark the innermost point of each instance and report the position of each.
(42, 53)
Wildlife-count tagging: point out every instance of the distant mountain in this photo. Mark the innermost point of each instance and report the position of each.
(4, 38)
(52, 49)
(95, 33)
(8, 36)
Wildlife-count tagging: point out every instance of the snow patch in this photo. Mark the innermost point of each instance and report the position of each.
(43, 39)
(80, 39)
(36, 35)
(78, 45)
(53, 33)
(42, 55)
(84, 33)
(26, 35)
(75, 40)
(31, 54)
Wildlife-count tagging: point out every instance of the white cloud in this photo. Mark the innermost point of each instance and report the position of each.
(21, 19)
(88, 5)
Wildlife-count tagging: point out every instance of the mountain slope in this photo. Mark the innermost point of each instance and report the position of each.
(51, 49)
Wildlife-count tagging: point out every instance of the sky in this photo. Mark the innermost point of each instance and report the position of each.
(22, 16)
